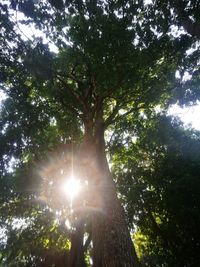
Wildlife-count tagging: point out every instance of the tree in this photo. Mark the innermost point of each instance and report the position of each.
(159, 182)
(112, 62)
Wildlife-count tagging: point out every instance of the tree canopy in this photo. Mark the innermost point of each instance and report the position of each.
(100, 95)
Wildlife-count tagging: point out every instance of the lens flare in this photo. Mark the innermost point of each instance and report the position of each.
(72, 187)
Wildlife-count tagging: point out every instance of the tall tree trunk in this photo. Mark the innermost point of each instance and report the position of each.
(76, 256)
(112, 244)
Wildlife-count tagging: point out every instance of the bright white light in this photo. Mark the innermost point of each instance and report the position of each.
(189, 115)
(68, 224)
(72, 187)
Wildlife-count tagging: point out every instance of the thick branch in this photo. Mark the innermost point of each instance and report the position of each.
(71, 108)
(113, 117)
(134, 109)
(76, 96)
(91, 88)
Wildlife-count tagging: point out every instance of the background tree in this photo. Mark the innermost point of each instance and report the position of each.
(158, 179)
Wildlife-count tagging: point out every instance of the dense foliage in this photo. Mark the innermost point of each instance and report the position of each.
(158, 178)
(115, 62)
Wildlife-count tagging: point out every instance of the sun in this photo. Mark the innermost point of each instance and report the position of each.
(72, 187)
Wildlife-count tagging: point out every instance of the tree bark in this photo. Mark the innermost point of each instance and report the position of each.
(76, 256)
(112, 244)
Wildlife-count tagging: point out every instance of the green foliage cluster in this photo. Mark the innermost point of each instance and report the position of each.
(158, 179)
